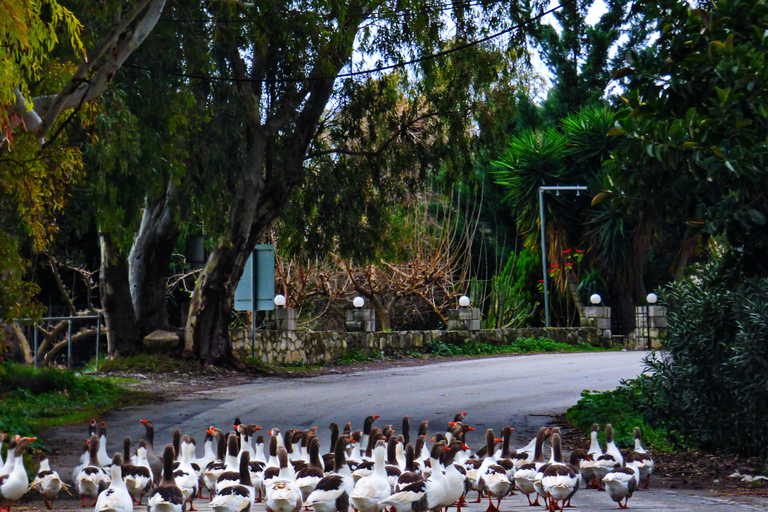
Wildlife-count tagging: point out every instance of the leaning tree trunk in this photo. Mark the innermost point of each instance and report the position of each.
(123, 336)
(150, 260)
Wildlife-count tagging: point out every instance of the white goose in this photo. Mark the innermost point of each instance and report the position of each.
(491, 477)
(14, 484)
(282, 494)
(369, 491)
(610, 460)
(115, 498)
(104, 459)
(185, 475)
(48, 483)
(92, 479)
(332, 492)
(610, 445)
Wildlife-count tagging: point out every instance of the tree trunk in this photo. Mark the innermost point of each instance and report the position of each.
(123, 335)
(149, 262)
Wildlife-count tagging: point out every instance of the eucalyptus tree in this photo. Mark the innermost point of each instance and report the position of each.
(285, 66)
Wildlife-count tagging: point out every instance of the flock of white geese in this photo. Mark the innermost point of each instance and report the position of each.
(369, 470)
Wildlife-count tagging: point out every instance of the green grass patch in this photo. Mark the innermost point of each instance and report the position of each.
(519, 346)
(150, 363)
(35, 398)
(623, 407)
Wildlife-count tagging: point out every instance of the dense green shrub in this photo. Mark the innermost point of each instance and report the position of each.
(712, 385)
(626, 407)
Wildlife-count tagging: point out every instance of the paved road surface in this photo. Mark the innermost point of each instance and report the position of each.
(522, 391)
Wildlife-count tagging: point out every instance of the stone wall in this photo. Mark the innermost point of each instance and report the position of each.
(285, 347)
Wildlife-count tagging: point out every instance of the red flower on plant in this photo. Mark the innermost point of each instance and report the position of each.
(566, 252)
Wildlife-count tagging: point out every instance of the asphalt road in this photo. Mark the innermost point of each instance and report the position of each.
(522, 391)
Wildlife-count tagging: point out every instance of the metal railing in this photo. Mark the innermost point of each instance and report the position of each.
(69, 319)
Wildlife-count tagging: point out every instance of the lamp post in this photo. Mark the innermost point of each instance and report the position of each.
(651, 299)
(543, 189)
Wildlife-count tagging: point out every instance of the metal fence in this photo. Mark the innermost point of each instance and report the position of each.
(69, 319)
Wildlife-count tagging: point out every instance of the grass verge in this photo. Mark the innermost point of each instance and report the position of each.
(36, 398)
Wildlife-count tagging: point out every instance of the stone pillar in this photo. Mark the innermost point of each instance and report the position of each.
(657, 320)
(464, 319)
(281, 319)
(361, 320)
(599, 317)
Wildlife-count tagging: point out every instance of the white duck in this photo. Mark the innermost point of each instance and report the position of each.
(216, 467)
(115, 498)
(608, 461)
(167, 497)
(237, 497)
(455, 480)
(185, 475)
(48, 483)
(332, 492)
(14, 484)
(84, 458)
(138, 477)
(610, 445)
(621, 483)
(282, 494)
(560, 482)
(92, 479)
(369, 491)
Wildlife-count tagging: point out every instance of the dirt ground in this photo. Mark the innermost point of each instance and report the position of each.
(686, 471)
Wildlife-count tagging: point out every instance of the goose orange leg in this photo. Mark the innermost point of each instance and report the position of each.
(491, 506)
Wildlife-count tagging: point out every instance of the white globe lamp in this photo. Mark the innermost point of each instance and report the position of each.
(651, 298)
(358, 302)
(279, 300)
(595, 299)
(464, 301)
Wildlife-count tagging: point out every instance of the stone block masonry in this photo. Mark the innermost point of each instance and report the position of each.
(313, 348)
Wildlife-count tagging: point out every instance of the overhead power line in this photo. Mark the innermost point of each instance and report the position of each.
(365, 71)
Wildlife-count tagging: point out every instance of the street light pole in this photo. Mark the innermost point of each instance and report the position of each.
(543, 189)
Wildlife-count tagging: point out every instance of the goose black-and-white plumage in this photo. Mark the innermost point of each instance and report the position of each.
(138, 476)
(307, 478)
(155, 462)
(84, 458)
(185, 475)
(594, 451)
(492, 478)
(525, 475)
(644, 458)
(237, 497)
(559, 481)
(216, 467)
(608, 461)
(230, 473)
(622, 482)
(610, 445)
(115, 498)
(92, 479)
(282, 494)
(370, 490)
(410, 475)
(167, 497)
(15, 482)
(429, 494)
(332, 492)
(367, 425)
(48, 483)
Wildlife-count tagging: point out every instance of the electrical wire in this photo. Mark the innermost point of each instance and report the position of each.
(366, 71)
